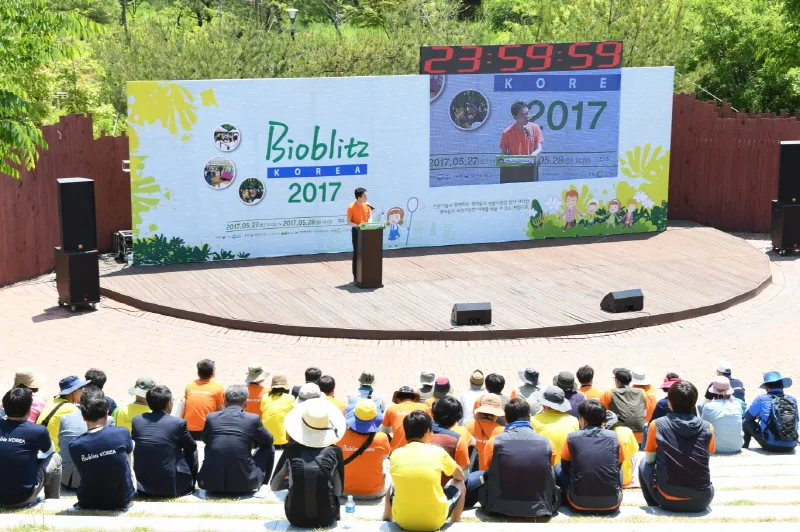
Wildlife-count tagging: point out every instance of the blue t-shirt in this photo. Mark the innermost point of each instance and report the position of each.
(102, 461)
(20, 443)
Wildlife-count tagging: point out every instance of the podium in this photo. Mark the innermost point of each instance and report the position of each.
(369, 256)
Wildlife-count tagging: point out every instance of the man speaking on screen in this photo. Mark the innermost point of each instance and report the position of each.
(523, 138)
(358, 212)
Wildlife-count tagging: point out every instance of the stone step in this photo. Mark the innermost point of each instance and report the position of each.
(634, 497)
(734, 483)
(767, 471)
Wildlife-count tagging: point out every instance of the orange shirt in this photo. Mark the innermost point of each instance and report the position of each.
(650, 401)
(364, 475)
(461, 453)
(340, 405)
(202, 398)
(482, 430)
(517, 142)
(430, 400)
(254, 393)
(358, 214)
(394, 418)
(590, 392)
(489, 451)
(651, 446)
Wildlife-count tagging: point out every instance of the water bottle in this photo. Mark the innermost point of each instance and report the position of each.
(349, 512)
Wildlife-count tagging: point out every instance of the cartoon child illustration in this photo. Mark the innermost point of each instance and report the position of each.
(571, 212)
(591, 209)
(394, 219)
(627, 220)
(613, 208)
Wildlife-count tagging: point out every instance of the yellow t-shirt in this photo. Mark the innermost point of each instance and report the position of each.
(629, 446)
(339, 404)
(273, 413)
(55, 422)
(123, 415)
(555, 426)
(419, 500)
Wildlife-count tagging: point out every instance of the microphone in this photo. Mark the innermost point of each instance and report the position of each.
(527, 133)
(370, 207)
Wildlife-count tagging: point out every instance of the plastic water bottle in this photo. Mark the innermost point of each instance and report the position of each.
(349, 512)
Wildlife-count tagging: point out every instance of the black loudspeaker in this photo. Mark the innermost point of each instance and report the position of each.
(77, 277)
(785, 228)
(623, 301)
(77, 214)
(472, 313)
(789, 172)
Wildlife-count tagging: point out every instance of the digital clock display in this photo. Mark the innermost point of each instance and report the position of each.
(519, 58)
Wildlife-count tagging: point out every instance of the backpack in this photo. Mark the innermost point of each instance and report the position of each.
(782, 418)
(312, 501)
(629, 406)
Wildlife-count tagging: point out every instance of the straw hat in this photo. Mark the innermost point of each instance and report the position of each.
(315, 423)
(476, 380)
(26, 377)
(492, 404)
(280, 382)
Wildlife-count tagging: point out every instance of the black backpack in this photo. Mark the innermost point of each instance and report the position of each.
(782, 418)
(312, 501)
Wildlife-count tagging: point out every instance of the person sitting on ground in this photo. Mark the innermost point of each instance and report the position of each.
(530, 384)
(520, 480)
(676, 474)
(589, 474)
(102, 456)
(772, 418)
(405, 400)
(65, 403)
(229, 464)
(309, 390)
(25, 475)
(364, 448)
(627, 442)
(417, 500)
(662, 405)
(468, 397)
(724, 369)
(640, 380)
(327, 385)
(725, 415)
(97, 377)
(256, 375)
(566, 381)
(485, 425)
(366, 391)
(427, 378)
(628, 403)
(312, 375)
(441, 388)
(313, 463)
(165, 455)
(274, 407)
(123, 415)
(554, 422)
(494, 384)
(26, 378)
(203, 396)
(585, 375)
(446, 415)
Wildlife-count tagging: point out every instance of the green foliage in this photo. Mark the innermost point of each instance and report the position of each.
(160, 250)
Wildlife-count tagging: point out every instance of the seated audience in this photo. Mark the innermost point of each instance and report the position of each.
(662, 406)
(485, 425)
(628, 403)
(366, 391)
(364, 448)
(405, 400)
(772, 418)
(123, 415)
(641, 381)
(724, 369)
(446, 415)
(97, 377)
(589, 474)
(256, 375)
(25, 475)
(530, 384)
(427, 379)
(70, 392)
(203, 396)
(274, 407)
(165, 455)
(566, 381)
(327, 385)
(312, 375)
(676, 474)
(724, 413)
(71, 426)
(313, 463)
(585, 375)
(627, 442)
(554, 422)
(309, 390)
(441, 388)
(418, 502)
(229, 464)
(468, 397)
(494, 384)
(25, 378)
(102, 456)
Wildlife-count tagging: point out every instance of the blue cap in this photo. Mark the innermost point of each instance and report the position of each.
(774, 377)
(70, 384)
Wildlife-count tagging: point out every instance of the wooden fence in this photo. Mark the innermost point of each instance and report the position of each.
(29, 206)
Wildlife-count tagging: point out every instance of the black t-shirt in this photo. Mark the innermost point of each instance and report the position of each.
(102, 460)
(20, 443)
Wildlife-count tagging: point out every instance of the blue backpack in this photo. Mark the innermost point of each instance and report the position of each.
(783, 418)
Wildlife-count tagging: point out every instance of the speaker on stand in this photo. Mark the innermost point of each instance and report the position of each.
(785, 219)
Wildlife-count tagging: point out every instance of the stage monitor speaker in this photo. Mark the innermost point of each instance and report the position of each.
(789, 172)
(623, 301)
(77, 277)
(472, 313)
(785, 227)
(77, 214)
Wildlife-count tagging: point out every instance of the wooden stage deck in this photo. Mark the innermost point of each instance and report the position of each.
(542, 288)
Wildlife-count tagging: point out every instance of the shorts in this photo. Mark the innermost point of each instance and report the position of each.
(451, 492)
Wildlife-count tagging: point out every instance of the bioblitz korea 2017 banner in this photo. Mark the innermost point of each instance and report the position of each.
(225, 169)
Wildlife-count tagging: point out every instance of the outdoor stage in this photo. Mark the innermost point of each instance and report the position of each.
(541, 288)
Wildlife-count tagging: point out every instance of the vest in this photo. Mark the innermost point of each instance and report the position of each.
(629, 406)
(312, 501)
(595, 482)
(682, 461)
(520, 480)
(446, 439)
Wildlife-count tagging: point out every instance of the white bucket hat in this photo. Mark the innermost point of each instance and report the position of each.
(315, 423)
(640, 377)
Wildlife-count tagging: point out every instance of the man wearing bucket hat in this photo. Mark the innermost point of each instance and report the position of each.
(274, 408)
(26, 378)
(441, 388)
(640, 380)
(724, 369)
(627, 402)
(485, 425)
(313, 463)
(427, 378)
(530, 384)
(468, 397)
(364, 448)
(366, 391)
(772, 418)
(405, 400)
(566, 381)
(70, 392)
(554, 422)
(724, 413)
(124, 415)
(256, 375)
(308, 391)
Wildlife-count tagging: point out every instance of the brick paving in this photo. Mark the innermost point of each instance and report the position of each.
(755, 336)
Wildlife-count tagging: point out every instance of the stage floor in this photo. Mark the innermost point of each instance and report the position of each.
(542, 288)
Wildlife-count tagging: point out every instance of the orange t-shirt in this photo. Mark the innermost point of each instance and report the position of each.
(394, 418)
(590, 392)
(358, 214)
(202, 398)
(364, 475)
(650, 401)
(482, 430)
(651, 446)
(516, 142)
(254, 393)
(340, 405)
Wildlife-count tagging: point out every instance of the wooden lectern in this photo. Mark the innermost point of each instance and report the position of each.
(369, 257)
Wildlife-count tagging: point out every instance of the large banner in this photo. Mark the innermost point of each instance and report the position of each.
(226, 169)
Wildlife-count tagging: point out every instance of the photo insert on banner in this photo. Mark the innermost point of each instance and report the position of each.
(219, 173)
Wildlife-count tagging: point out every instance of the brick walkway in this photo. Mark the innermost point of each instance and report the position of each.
(755, 336)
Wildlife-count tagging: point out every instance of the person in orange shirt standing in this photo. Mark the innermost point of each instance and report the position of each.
(585, 375)
(358, 212)
(364, 449)
(521, 138)
(256, 375)
(405, 400)
(203, 396)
